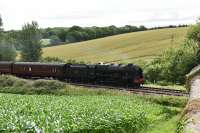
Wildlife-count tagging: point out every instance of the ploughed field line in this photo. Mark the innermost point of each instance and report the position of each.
(140, 90)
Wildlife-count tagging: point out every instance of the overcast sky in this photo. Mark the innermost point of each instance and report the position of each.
(65, 13)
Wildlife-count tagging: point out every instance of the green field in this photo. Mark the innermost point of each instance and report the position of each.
(123, 48)
(87, 114)
(52, 106)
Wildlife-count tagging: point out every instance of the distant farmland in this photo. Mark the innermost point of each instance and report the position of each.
(130, 47)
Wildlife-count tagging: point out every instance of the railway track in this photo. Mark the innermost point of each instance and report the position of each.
(159, 91)
(141, 90)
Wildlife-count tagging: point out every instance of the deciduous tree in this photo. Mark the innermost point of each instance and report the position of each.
(194, 34)
(30, 40)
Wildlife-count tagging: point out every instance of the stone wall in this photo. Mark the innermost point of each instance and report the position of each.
(192, 110)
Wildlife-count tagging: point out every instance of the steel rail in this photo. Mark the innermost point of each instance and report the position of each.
(141, 90)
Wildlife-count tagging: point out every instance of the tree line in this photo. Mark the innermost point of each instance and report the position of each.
(77, 33)
(63, 35)
(169, 26)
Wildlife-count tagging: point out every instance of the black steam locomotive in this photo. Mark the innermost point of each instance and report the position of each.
(106, 74)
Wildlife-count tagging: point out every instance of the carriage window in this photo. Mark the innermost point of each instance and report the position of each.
(54, 70)
(29, 69)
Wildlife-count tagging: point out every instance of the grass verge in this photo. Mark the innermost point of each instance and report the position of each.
(176, 87)
(11, 84)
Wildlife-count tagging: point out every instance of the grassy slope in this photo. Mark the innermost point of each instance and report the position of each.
(126, 47)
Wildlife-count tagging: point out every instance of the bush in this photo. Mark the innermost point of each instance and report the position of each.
(59, 60)
(11, 84)
(11, 81)
(48, 84)
(173, 64)
(72, 61)
(52, 59)
(194, 33)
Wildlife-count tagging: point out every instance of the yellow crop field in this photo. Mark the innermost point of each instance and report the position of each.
(131, 47)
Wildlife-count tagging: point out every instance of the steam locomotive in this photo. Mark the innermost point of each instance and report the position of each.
(106, 74)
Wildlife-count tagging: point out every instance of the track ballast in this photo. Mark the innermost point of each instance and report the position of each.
(141, 90)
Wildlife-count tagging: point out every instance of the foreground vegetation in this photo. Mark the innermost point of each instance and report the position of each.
(125, 48)
(10, 84)
(33, 113)
(81, 109)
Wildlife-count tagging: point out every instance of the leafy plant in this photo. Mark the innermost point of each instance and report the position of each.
(91, 114)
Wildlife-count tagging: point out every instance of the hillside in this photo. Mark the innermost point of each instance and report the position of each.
(131, 47)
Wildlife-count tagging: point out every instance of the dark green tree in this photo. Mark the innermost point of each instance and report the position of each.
(113, 29)
(194, 34)
(7, 50)
(54, 40)
(30, 39)
(62, 35)
(75, 28)
(91, 33)
(142, 28)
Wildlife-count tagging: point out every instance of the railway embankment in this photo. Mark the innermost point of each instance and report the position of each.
(192, 110)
